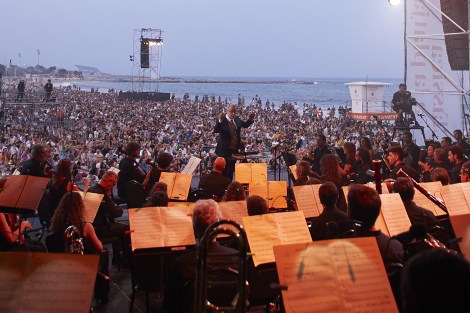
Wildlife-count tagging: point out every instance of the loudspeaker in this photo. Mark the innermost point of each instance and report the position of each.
(456, 45)
(144, 54)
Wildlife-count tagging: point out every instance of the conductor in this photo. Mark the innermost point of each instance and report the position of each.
(228, 126)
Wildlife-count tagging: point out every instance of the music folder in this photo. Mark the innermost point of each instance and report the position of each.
(340, 275)
(91, 202)
(23, 192)
(233, 210)
(274, 192)
(161, 227)
(246, 173)
(46, 282)
(308, 200)
(178, 184)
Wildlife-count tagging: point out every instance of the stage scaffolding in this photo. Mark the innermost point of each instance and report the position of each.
(146, 59)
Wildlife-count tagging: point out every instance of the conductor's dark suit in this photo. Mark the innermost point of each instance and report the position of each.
(228, 141)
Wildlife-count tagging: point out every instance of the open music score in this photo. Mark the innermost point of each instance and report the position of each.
(46, 282)
(92, 202)
(188, 205)
(308, 200)
(23, 192)
(341, 275)
(191, 166)
(435, 188)
(178, 184)
(159, 227)
(246, 173)
(275, 192)
(457, 199)
(267, 230)
(393, 214)
(233, 210)
(293, 170)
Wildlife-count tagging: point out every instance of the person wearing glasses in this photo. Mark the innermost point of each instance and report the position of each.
(229, 126)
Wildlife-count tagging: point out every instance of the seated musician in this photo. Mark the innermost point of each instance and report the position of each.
(157, 198)
(465, 172)
(395, 158)
(104, 223)
(214, 183)
(418, 215)
(440, 174)
(402, 102)
(364, 205)
(10, 238)
(235, 192)
(163, 163)
(332, 222)
(205, 213)
(35, 165)
(303, 170)
(256, 205)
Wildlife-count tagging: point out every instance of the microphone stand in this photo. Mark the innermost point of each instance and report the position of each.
(433, 134)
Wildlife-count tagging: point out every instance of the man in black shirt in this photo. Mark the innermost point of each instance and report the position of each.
(395, 157)
(48, 89)
(402, 103)
(21, 87)
(214, 183)
(129, 168)
(35, 165)
(321, 150)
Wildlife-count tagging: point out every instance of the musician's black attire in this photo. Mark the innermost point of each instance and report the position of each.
(228, 141)
(32, 167)
(405, 168)
(330, 223)
(214, 183)
(184, 271)
(129, 170)
(419, 215)
(414, 152)
(318, 154)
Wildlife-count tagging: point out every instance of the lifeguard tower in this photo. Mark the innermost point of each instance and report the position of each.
(367, 97)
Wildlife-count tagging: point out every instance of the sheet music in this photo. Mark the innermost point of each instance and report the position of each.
(92, 202)
(246, 173)
(421, 200)
(307, 201)
(187, 205)
(259, 171)
(47, 282)
(455, 200)
(181, 186)
(177, 227)
(380, 224)
(460, 225)
(169, 179)
(277, 194)
(146, 228)
(265, 231)
(334, 276)
(191, 166)
(12, 190)
(293, 170)
(32, 192)
(234, 210)
(394, 214)
(259, 188)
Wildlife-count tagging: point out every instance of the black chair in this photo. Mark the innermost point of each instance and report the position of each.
(261, 279)
(136, 194)
(55, 242)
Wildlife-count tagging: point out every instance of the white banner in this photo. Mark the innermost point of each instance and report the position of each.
(435, 86)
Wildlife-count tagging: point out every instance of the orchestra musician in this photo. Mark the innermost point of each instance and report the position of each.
(214, 183)
(229, 126)
(130, 169)
(36, 164)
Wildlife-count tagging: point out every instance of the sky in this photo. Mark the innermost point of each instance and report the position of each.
(217, 38)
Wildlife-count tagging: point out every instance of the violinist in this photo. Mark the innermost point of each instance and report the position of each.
(35, 165)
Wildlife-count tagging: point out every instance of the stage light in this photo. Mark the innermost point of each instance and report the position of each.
(394, 2)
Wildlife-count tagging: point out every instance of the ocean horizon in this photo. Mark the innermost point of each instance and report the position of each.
(324, 92)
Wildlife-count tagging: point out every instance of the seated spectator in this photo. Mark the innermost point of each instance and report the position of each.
(256, 205)
(332, 221)
(436, 281)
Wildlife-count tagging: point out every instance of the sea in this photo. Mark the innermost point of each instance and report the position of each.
(324, 92)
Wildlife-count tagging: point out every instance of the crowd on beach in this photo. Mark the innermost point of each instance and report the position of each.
(91, 128)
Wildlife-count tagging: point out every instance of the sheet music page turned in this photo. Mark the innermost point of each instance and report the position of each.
(146, 228)
(277, 194)
(92, 202)
(394, 214)
(455, 200)
(47, 282)
(265, 231)
(342, 275)
(234, 210)
(243, 173)
(177, 227)
(307, 201)
(421, 200)
(191, 166)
